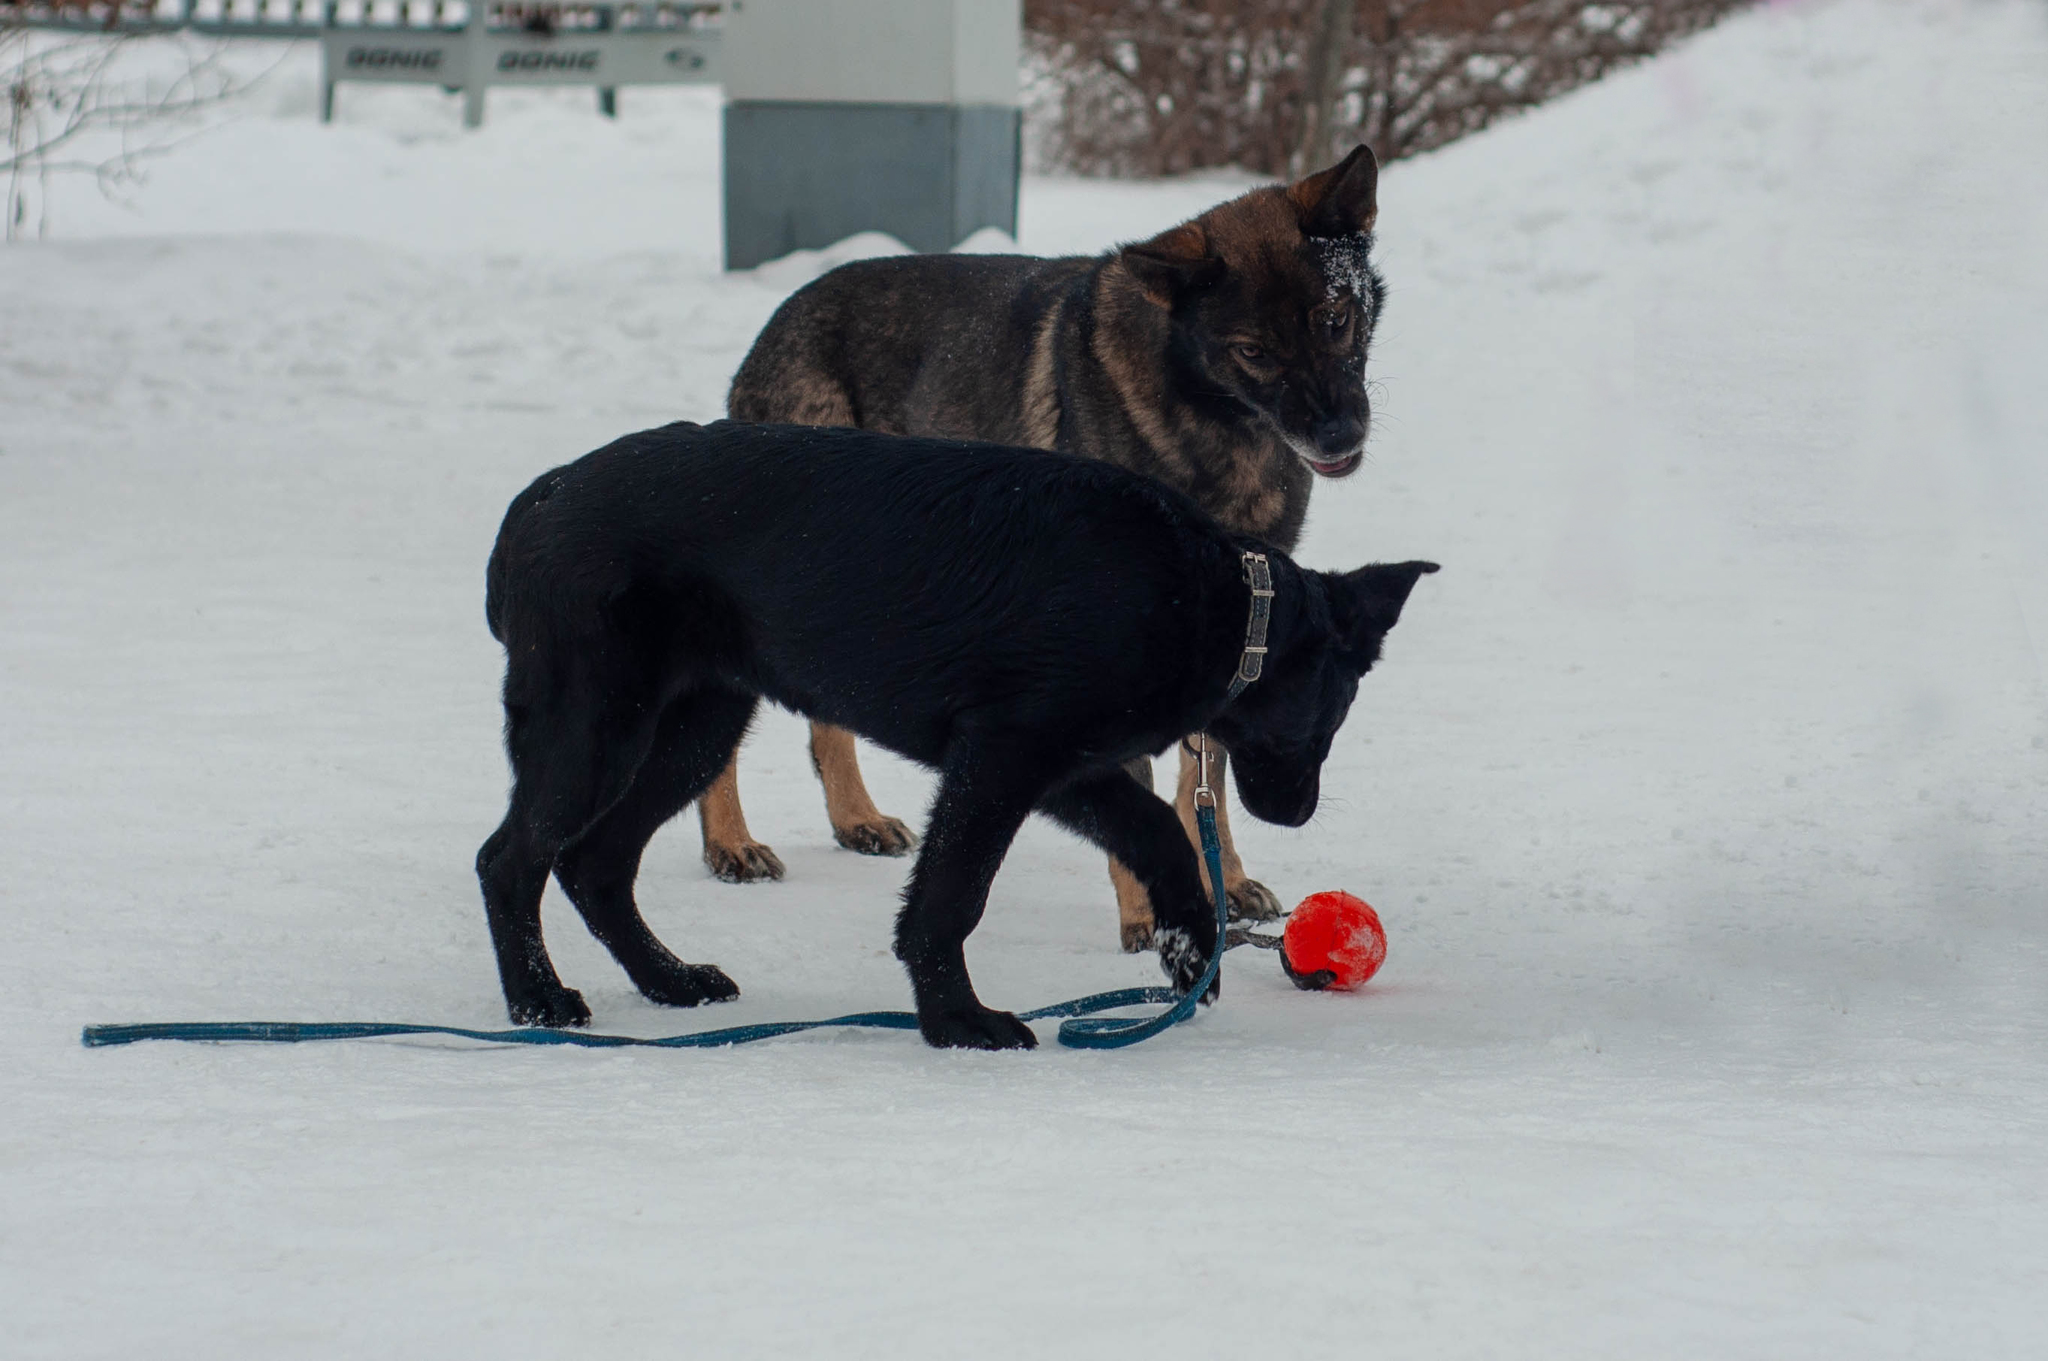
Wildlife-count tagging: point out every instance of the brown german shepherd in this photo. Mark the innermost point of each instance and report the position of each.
(1225, 357)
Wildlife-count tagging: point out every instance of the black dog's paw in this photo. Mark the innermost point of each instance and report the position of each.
(556, 1009)
(1183, 962)
(1252, 901)
(981, 1028)
(748, 862)
(690, 985)
(1137, 937)
(883, 836)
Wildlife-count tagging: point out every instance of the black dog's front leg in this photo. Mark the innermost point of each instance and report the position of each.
(1141, 829)
(983, 798)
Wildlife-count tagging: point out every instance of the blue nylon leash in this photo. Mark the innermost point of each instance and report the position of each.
(1109, 1032)
(1092, 1032)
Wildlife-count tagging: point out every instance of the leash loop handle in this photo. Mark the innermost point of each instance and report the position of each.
(1105, 1032)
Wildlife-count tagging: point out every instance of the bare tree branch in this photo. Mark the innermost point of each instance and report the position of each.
(89, 105)
(1160, 86)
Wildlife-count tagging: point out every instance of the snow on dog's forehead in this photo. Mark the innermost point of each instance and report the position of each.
(1346, 265)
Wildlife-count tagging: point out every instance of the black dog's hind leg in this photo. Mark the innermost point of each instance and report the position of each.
(1141, 831)
(984, 796)
(693, 742)
(575, 746)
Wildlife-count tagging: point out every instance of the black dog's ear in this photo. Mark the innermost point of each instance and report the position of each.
(1172, 263)
(1341, 200)
(1366, 603)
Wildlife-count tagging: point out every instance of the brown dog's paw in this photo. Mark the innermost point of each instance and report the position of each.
(1137, 937)
(748, 862)
(883, 836)
(1252, 901)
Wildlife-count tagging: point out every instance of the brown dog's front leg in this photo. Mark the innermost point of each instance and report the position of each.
(1250, 900)
(729, 848)
(1133, 908)
(856, 823)
(1133, 904)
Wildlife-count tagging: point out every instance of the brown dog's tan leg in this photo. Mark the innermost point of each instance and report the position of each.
(1250, 900)
(729, 848)
(1133, 903)
(856, 823)
(1133, 908)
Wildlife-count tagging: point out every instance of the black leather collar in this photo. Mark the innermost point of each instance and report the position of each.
(1259, 573)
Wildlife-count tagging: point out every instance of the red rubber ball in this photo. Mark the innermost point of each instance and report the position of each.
(1338, 932)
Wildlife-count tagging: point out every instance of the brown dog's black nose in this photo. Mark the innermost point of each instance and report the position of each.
(1338, 435)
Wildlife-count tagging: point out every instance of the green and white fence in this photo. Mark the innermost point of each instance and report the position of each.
(840, 115)
(451, 43)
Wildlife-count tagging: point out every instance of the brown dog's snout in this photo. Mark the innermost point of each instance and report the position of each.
(1338, 435)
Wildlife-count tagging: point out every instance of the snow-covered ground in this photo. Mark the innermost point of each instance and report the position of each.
(1704, 794)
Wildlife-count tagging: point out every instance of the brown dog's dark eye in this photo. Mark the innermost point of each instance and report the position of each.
(1251, 354)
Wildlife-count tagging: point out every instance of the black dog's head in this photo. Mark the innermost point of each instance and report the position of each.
(1279, 730)
(1273, 299)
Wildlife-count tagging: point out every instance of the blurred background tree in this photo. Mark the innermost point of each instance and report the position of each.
(95, 103)
(1159, 87)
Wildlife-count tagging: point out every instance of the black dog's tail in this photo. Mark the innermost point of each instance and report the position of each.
(494, 579)
(494, 590)
(495, 601)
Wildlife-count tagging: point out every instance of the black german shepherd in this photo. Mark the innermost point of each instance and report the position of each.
(1024, 623)
(1225, 357)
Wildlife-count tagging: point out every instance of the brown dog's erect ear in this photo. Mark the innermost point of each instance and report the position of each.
(1341, 200)
(1172, 263)
(1369, 600)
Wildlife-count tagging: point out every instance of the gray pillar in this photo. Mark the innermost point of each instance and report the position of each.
(868, 115)
(474, 84)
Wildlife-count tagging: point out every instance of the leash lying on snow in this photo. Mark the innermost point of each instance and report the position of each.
(1084, 1029)
(1087, 1032)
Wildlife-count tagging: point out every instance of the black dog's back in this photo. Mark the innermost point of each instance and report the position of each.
(739, 552)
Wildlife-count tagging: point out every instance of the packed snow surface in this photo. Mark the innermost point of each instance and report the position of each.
(1703, 794)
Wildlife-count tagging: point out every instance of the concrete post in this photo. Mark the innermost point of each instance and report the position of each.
(473, 87)
(869, 115)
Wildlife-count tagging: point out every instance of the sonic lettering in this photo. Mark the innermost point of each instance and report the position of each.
(549, 61)
(393, 59)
